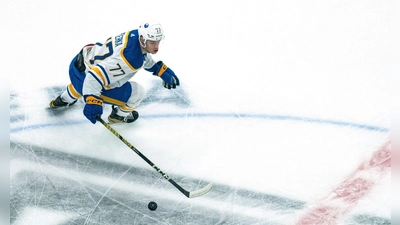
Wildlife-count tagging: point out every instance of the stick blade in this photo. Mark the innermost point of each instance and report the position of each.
(201, 191)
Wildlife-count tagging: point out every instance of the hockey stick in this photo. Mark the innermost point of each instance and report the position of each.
(189, 194)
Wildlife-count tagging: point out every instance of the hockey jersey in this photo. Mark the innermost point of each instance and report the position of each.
(113, 63)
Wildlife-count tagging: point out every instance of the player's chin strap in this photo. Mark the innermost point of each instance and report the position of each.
(189, 194)
(144, 43)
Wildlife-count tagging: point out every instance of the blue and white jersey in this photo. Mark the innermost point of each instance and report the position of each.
(113, 63)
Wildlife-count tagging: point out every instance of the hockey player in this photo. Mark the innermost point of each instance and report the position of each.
(100, 73)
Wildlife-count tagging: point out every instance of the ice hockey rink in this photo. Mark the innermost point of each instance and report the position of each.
(283, 106)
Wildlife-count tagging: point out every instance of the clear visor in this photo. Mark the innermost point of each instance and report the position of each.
(157, 37)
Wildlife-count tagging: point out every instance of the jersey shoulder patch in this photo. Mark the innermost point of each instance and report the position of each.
(132, 53)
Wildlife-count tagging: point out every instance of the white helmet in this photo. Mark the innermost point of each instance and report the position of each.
(151, 31)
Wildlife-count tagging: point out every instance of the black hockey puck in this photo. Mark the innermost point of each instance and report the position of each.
(152, 206)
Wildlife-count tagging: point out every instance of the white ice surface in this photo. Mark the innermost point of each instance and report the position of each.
(286, 98)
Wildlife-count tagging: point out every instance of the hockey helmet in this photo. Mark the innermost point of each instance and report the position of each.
(151, 31)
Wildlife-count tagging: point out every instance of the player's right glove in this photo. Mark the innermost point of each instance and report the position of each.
(170, 80)
(172, 83)
(93, 107)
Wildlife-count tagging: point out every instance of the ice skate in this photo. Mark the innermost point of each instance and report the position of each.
(115, 118)
(58, 103)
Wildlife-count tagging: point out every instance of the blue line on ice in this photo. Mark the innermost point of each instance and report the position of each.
(223, 115)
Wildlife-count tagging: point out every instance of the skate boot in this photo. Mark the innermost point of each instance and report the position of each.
(58, 103)
(115, 118)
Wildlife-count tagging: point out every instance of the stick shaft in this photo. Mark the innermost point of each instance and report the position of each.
(183, 191)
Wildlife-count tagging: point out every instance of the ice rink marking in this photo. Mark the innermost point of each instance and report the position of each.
(358, 184)
(221, 115)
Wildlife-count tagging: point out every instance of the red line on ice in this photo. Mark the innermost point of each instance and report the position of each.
(339, 202)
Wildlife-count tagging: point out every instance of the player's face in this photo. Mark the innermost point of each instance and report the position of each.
(152, 46)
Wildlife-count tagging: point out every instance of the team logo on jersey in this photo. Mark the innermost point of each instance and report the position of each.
(119, 39)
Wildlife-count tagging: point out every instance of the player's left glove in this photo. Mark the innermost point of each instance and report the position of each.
(170, 80)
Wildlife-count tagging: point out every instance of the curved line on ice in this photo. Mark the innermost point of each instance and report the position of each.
(223, 115)
(276, 117)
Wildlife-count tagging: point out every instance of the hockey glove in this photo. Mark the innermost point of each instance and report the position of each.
(173, 82)
(93, 107)
(170, 80)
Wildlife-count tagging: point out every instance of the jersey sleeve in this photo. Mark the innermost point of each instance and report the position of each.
(149, 61)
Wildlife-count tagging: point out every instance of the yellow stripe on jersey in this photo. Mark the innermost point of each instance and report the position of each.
(99, 74)
(122, 53)
(73, 92)
(117, 102)
(106, 87)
